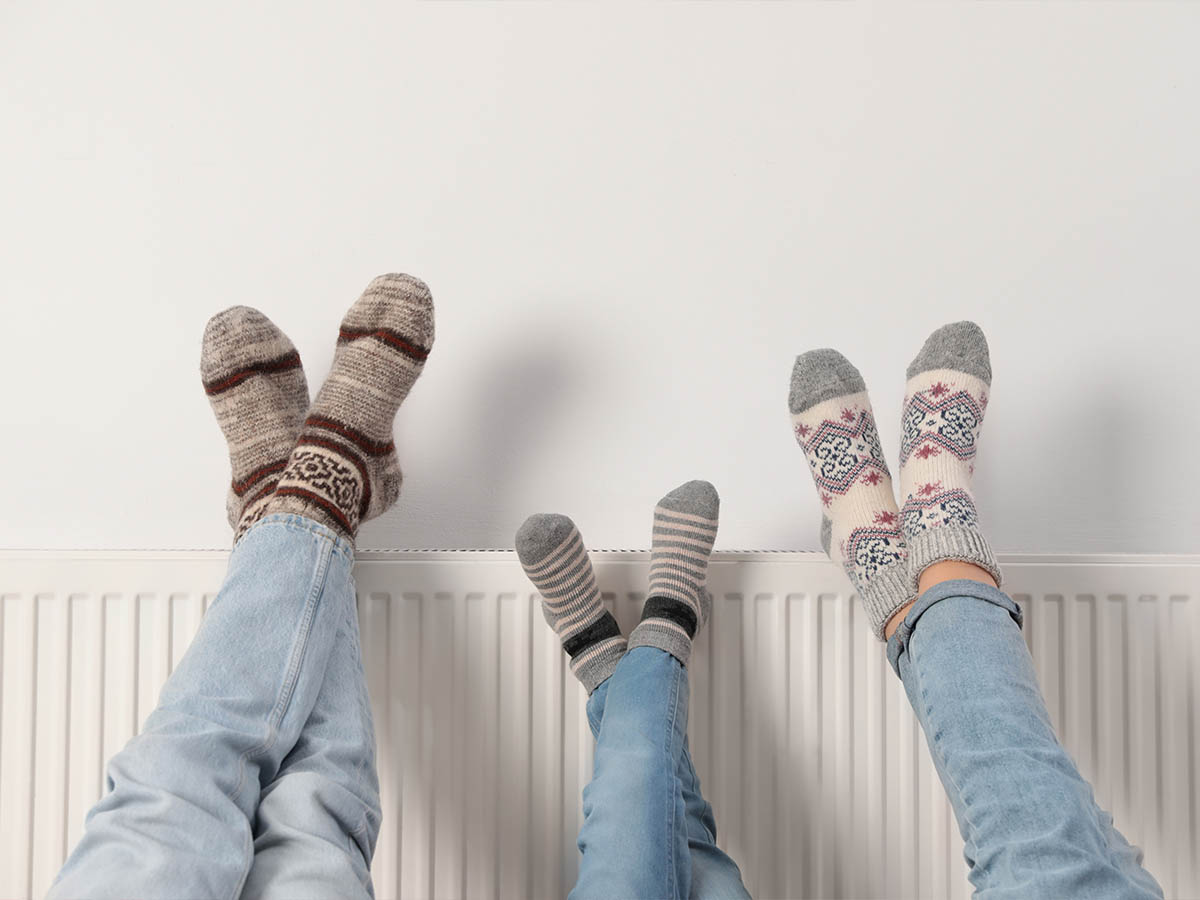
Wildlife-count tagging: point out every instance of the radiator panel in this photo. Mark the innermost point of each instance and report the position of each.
(803, 738)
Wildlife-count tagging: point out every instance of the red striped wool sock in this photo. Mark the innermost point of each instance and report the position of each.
(343, 470)
(255, 384)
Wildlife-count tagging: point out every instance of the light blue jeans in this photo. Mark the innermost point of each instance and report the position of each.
(255, 774)
(647, 831)
(1031, 825)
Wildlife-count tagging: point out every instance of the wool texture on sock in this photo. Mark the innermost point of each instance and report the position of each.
(677, 604)
(255, 384)
(343, 470)
(944, 404)
(835, 427)
(553, 555)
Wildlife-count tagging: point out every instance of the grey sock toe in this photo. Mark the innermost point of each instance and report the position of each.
(821, 375)
(696, 498)
(541, 535)
(960, 346)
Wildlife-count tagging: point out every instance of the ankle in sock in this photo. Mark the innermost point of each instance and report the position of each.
(343, 470)
(255, 383)
(552, 553)
(835, 427)
(944, 404)
(677, 604)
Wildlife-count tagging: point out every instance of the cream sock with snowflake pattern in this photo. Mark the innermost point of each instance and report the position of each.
(944, 403)
(835, 427)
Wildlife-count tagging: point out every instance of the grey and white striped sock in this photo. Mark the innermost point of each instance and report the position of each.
(252, 375)
(677, 605)
(343, 470)
(551, 551)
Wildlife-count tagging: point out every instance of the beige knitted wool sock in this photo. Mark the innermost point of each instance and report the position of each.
(255, 384)
(343, 470)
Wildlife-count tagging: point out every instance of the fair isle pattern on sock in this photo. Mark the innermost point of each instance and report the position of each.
(343, 470)
(835, 427)
(255, 384)
(944, 404)
(677, 605)
(552, 553)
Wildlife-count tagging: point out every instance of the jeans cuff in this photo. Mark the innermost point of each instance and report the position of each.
(300, 523)
(958, 587)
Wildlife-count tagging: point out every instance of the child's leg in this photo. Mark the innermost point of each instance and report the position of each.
(181, 795)
(634, 838)
(715, 876)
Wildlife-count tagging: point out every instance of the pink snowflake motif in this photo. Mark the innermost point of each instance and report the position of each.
(885, 518)
(825, 499)
(847, 415)
(928, 489)
(872, 478)
(983, 400)
(938, 389)
(927, 450)
(802, 430)
(971, 468)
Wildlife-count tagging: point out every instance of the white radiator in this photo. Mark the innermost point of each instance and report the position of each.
(484, 749)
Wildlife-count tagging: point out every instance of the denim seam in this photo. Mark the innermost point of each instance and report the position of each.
(289, 682)
(671, 824)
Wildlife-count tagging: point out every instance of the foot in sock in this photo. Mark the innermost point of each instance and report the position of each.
(343, 470)
(552, 553)
(677, 605)
(944, 403)
(255, 384)
(860, 528)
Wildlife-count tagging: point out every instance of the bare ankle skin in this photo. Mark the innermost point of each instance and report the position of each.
(947, 570)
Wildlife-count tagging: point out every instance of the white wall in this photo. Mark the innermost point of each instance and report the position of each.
(631, 218)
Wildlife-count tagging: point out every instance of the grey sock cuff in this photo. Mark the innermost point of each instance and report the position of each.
(656, 633)
(596, 670)
(949, 542)
(887, 591)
